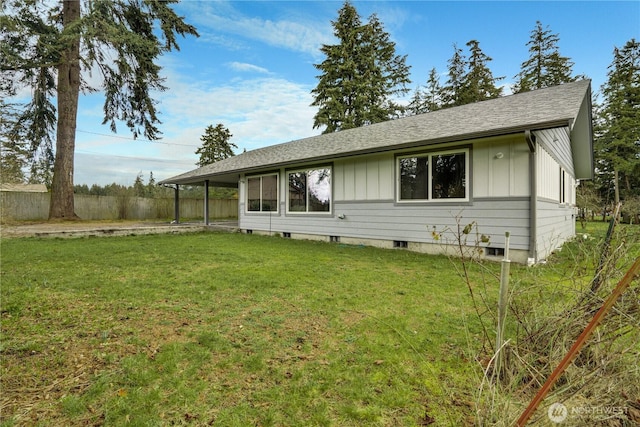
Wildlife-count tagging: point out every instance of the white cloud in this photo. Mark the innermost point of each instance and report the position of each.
(214, 18)
(103, 169)
(301, 37)
(220, 40)
(258, 112)
(242, 66)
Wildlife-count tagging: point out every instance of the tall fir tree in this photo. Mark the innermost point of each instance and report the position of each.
(338, 89)
(478, 82)
(44, 47)
(152, 188)
(417, 103)
(215, 145)
(545, 66)
(359, 75)
(429, 97)
(617, 141)
(456, 70)
(433, 91)
(390, 73)
(139, 188)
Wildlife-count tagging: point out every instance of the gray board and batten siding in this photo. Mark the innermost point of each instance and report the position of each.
(366, 209)
(519, 148)
(381, 224)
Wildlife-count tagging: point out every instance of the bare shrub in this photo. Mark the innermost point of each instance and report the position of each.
(549, 307)
(602, 385)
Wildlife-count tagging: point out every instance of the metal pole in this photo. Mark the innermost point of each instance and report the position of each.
(176, 204)
(206, 202)
(502, 305)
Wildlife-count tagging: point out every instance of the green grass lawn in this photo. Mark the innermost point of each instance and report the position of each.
(237, 330)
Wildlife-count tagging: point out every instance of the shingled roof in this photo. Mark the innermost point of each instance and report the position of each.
(540, 109)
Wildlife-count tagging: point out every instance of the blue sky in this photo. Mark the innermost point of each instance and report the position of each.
(252, 69)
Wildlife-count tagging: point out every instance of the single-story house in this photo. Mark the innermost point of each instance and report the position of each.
(509, 164)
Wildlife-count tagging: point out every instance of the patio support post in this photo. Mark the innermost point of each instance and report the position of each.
(206, 202)
(176, 204)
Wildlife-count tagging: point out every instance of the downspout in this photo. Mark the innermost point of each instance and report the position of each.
(533, 189)
(206, 202)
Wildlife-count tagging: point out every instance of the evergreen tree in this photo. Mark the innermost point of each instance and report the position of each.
(10, 166)
(452, 91)
(152, 189)
(97, 190)
(545, 66)
(81, 189)
(12, 151)
(478, 82)
(618, 128)
(359, 75)
(388, 74)
(44, 46)
(603, 178)
(215, 145)
(19, 151)
(417, 104)
(433, 91)
(339, 89)
(139, 189)
(429, 97)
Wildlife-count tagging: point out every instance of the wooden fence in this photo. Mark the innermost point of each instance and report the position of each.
(23, 206)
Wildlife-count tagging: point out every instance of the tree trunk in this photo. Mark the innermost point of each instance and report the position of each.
(62, 205)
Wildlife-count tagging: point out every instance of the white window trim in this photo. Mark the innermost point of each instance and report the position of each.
(247, 178)
(467, 187)
(307, 212)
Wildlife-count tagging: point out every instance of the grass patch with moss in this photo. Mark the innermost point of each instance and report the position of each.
(235, 330)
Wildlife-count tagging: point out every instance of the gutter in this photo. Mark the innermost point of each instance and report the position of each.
(533, 189)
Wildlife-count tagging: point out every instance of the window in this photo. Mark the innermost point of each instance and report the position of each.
(262, 193)
(310, 190)
(434, 176)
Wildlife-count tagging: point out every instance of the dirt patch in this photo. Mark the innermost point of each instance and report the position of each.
(32, 229)
(104, 228)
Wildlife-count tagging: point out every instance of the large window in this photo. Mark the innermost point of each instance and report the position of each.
(310, 190)
(262, 193)
(434, 176)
